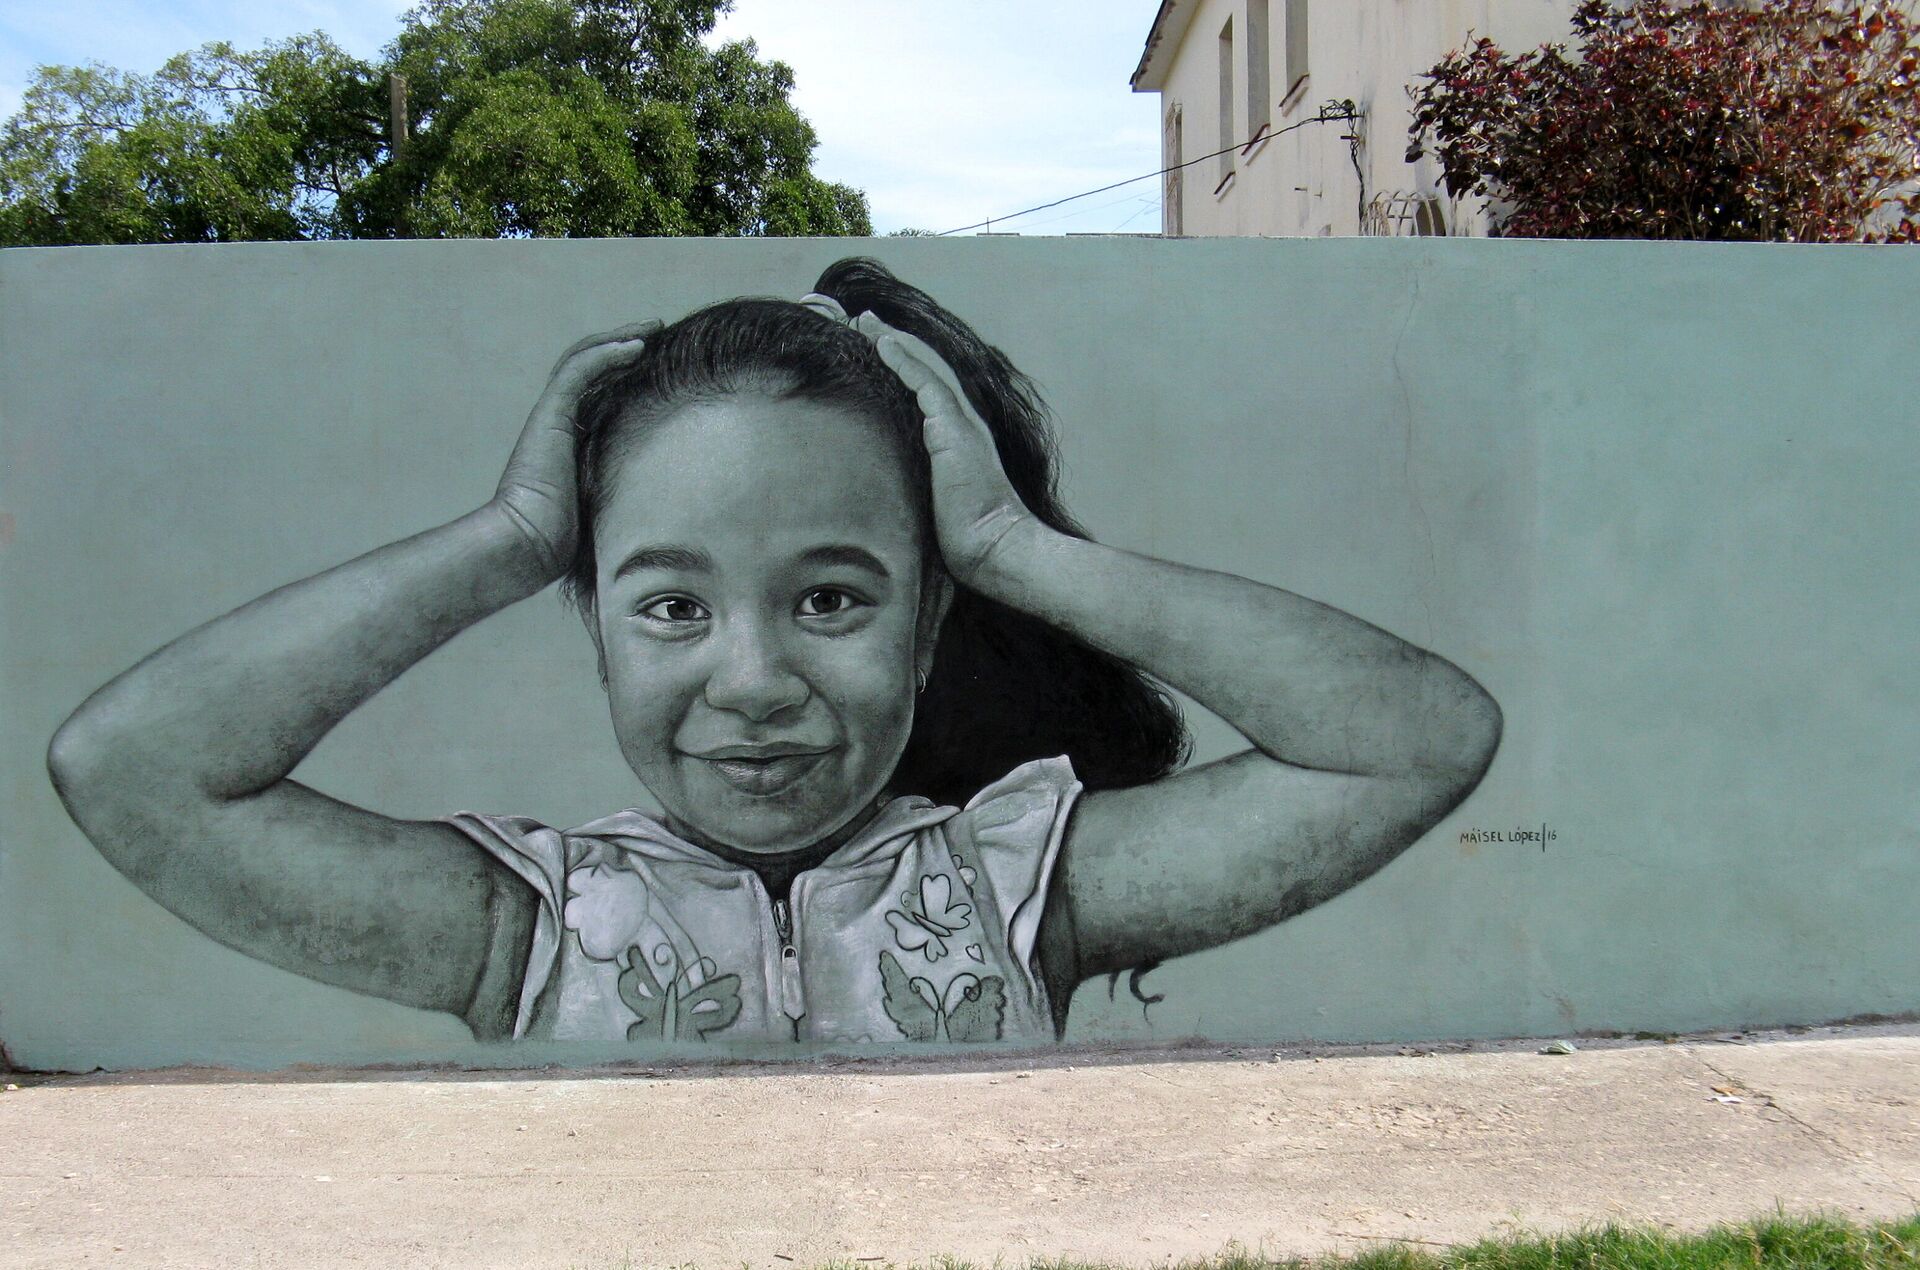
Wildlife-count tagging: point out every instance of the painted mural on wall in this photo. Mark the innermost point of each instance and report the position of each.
(905, 722)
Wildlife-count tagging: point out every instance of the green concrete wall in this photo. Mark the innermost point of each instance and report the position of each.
(1659, 499)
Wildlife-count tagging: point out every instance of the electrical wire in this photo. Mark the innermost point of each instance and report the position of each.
(1098, 207)
(1332, 112)
(1146, 205)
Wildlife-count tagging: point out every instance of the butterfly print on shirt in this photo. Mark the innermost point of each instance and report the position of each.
(923, 922)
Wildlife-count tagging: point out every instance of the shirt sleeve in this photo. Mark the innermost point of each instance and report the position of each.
(537, 854)
(1017, 825)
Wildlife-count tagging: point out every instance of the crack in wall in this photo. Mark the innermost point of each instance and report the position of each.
(1407, 451)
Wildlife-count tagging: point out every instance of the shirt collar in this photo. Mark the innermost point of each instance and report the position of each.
(885, 836)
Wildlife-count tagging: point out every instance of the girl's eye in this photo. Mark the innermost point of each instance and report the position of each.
(827, 601)
(676, 609)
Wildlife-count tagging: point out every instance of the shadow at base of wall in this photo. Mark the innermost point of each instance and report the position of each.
(1000, 1061)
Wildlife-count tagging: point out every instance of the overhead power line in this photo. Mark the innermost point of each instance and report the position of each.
(1330, 112)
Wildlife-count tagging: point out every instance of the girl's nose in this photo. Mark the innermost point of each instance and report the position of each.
(753, 676)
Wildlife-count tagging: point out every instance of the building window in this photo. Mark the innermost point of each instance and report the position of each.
(1259, 70)
(1296, 46)
(1172, 152)
(1227, 139)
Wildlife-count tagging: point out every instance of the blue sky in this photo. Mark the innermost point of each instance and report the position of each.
(944, 113)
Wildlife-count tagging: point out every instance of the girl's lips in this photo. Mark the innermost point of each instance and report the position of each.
(764, 776)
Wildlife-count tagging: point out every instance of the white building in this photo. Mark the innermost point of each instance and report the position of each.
(1232, 74)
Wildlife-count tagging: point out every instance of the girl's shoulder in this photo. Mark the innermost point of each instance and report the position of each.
(1007, 839)
(1032, 801)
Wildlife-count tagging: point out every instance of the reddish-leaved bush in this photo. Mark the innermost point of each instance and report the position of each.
(1789, 120)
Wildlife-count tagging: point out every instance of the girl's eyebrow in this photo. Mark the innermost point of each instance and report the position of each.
(682, 559)
(846, 554)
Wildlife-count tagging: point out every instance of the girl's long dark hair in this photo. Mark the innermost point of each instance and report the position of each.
(1005, 687)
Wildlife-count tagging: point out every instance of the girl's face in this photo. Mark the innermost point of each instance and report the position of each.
(759, 613)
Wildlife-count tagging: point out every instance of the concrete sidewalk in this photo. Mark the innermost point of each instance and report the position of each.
(1136, 1159)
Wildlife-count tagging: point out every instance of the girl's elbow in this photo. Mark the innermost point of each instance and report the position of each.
(108, 791)
(82, 759)
(91, 763)
(1460, 726)
(1480, 727)
(74, 756)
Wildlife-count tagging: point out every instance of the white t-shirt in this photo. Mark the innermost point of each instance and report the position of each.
(922, 927)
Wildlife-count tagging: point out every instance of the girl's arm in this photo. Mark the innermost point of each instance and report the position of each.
(1361, 742)
(178, 769)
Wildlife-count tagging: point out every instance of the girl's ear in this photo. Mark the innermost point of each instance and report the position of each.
(936, 597)
(590, 616)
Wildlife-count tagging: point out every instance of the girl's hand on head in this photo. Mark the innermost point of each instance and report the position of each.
(975, 508)
(538, 491)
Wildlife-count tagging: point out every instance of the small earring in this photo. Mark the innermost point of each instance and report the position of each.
(920, 675)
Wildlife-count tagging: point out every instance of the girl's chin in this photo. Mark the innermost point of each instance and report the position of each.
(769, 809)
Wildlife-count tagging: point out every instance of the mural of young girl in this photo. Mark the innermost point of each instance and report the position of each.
(916, 782)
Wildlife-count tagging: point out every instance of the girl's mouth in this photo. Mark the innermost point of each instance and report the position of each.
(764, 776)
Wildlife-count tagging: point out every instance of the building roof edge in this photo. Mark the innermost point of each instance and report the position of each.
(1163, 40)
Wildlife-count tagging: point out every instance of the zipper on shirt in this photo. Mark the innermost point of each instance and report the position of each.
(793, 997)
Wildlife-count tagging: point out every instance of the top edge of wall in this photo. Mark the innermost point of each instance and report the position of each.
(1006, 242)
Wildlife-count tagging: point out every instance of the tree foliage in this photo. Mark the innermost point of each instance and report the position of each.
(1783, 120)
(578, 118)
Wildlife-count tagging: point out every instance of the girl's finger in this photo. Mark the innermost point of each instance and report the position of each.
(578, 369)
(922, 354)
(824, 305)
(913, 372)
(936, 399)
(631, 333)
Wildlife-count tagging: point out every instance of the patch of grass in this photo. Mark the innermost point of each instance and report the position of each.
(1772, 1243)
(1817, 1243)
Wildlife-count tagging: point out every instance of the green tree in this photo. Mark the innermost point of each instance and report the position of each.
(578, 118)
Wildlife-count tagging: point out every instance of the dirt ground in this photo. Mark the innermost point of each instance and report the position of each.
(1137, 1158)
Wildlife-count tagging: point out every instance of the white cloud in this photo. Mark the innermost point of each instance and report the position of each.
(947, 114)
